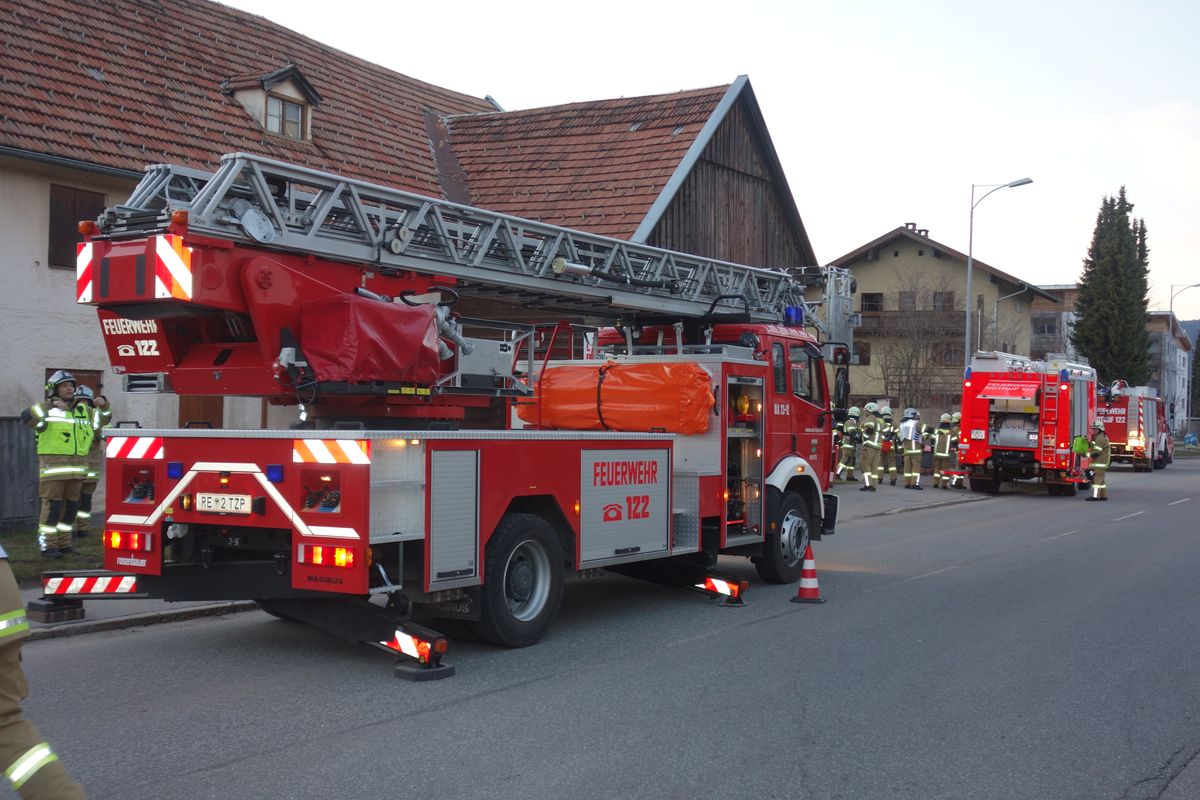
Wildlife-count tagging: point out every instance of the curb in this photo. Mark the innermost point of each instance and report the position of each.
(941, 504)
(61, 629)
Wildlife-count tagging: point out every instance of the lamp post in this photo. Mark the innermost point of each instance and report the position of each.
(1181, 291)
(991, 187)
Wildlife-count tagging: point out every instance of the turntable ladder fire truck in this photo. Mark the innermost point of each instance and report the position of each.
(1023, 418)
(444, 466)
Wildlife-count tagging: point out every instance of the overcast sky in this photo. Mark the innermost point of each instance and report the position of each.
(881, 112)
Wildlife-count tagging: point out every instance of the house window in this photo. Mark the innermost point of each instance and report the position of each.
(1045, 326)
(285, 117)
(68, 207)
(872, 301)
(862, 353)
(948, 354)
(943, 301)
(908, 301)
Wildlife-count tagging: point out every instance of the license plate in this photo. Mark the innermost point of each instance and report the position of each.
(978, 434)
(223, 503)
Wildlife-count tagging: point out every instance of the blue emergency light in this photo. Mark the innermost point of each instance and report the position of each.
(793, 316)
(275, 473)
(174, 470)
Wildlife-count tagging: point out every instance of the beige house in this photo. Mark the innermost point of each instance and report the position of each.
(909, 345)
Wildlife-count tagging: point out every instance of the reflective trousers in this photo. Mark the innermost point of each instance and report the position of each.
(940, 465)
(869, 463)
(912, 468)
(29, 764)
(1099, 482)
(60, 506)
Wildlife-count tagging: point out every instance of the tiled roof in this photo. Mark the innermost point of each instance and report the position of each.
(139, 82)
(905, 232)
(596, 166)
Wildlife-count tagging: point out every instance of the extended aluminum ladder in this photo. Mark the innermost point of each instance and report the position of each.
(260, 201)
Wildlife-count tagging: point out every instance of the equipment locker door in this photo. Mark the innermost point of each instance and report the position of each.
(453, 518)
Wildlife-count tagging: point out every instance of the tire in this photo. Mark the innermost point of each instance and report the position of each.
(782, 558)
(270, 608)
(523, 578)
(985, 485)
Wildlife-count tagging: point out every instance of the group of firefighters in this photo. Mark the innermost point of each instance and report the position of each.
(868, 439)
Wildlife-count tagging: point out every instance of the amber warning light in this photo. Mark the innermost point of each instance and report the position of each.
(126, 540)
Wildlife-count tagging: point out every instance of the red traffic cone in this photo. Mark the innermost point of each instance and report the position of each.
(809, 592)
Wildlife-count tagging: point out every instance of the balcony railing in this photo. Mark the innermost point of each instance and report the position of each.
(907, 322)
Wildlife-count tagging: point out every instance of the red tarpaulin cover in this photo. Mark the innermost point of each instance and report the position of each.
(355, 339)
(623, 397)
(1000, 389)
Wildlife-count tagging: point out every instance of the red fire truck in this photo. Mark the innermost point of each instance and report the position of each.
(441, 466)
(1026, 419)
(1135, 422)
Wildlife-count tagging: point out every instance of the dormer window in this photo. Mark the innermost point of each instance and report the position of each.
(285, 117)
(282, 102)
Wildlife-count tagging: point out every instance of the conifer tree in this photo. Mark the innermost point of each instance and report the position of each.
(1110, 310)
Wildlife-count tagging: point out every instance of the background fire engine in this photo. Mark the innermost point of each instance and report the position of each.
(1135, 421)
(1026, 419)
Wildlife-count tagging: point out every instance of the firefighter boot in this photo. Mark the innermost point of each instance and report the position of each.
(66, 526)
(48, 528)
(83, 517)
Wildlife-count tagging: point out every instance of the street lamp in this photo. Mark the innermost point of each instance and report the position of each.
(991, 187)
(1181, 291)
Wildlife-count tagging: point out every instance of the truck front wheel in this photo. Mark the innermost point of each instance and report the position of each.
(787, 538)
(523, 577)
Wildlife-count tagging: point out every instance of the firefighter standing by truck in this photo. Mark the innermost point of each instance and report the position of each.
(872, 442)
(101, 414)
(943, 440)
(956, 479)
(850, 435)
(889, 451)
(27, 760)
(64, 436)
(1101, 453)
(912, 440)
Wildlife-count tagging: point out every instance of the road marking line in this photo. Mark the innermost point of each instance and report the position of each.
(930, 574)
(1127, 516)
(1177, 502)
(1059, 536)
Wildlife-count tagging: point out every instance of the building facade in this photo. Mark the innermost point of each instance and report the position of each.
(911, 294)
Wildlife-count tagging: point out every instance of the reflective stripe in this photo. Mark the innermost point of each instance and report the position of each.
(28, 764)
(13, 622)
(83, 515)
(51, 471)
(37, 410)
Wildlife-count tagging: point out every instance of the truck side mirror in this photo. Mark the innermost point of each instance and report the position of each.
(841, 389)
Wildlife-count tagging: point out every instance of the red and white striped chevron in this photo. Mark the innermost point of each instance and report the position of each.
(134, 447)
(330, 451)
(106, 584)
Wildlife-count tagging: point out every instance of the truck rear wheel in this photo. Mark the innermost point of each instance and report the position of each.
(782, 558)
(523, 577)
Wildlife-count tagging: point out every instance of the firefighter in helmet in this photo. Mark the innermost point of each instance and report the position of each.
(912, 440)
(943, 440)
(101, 414)
(31, 767)
(872, 443)
(887, 463)
(956, 479)
(64, 436)
(1101, 452)
(849, 444)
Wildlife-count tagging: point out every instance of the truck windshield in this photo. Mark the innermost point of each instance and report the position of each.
(807, 376)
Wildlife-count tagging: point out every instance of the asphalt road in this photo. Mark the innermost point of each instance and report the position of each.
(1018, 647)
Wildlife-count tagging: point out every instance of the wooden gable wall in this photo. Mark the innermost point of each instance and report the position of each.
(729, 206)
